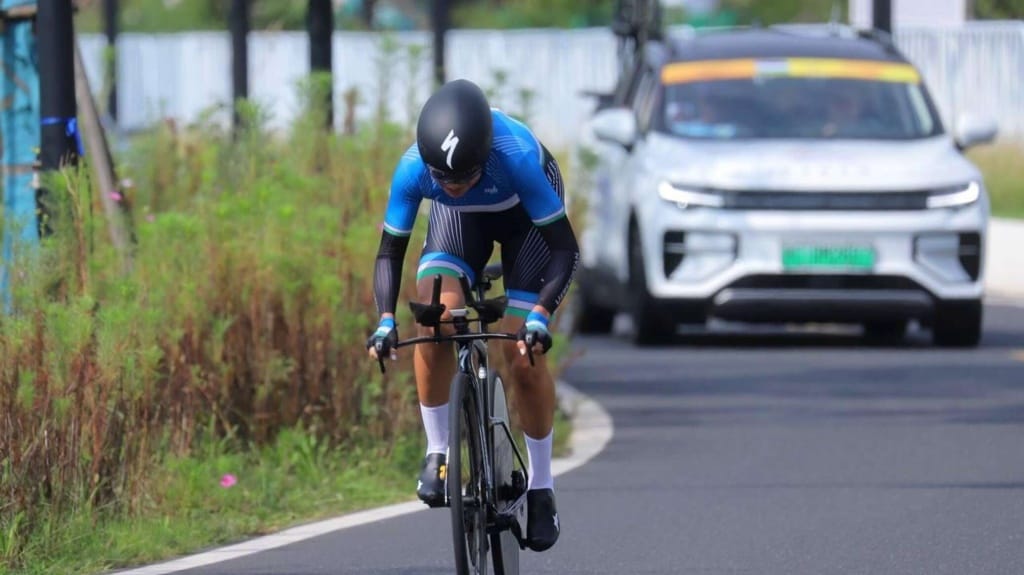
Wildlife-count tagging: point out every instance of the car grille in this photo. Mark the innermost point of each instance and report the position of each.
(674, 251)
(970, 254)
(826, 281)
(790, 200)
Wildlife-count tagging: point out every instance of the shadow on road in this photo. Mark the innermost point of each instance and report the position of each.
(730, 376)
(1003, 328)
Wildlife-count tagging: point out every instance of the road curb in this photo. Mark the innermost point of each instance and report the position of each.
(592, 428)
(591, 431)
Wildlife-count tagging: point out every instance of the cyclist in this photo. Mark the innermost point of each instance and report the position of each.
(490, 180)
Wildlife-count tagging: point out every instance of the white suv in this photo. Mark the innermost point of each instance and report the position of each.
(782, 175)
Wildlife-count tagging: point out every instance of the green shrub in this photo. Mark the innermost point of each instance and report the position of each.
(243, 314)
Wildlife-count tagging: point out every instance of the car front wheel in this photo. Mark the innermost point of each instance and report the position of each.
(652, 324)
(591, 317)
(885, 331)
(957, 323)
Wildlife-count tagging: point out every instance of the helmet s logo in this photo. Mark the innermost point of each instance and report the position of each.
(449, 145)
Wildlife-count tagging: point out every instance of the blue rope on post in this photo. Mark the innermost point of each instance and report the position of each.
(70, 130)
(20, 129)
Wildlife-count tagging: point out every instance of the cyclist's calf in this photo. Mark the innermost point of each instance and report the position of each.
(535, 390)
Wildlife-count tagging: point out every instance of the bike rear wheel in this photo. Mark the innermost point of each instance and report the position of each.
(465, 479)
(504, 544)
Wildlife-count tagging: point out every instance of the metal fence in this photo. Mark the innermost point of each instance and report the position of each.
(978, 67)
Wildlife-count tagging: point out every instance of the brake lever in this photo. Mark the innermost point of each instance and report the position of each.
(379, 347)
(529, 347)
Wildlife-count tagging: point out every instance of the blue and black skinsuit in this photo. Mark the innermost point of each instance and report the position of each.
(518, 202)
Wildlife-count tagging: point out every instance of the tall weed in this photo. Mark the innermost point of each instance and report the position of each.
(242, 317)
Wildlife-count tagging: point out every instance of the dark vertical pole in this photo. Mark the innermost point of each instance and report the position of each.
(369, 8)
(59, 133)
(239, 25)
(881, 15)
(439, 18)
(110, 22)
(320, 22)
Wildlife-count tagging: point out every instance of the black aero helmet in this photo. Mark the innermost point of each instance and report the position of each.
(454, 131)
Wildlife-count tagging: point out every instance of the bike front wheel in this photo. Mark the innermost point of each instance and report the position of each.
(509, 483)
(465, 482)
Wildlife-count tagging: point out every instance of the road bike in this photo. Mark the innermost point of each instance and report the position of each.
(486, 476)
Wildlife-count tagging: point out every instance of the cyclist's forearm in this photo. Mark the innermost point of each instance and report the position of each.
(387, 276)
(565, 255)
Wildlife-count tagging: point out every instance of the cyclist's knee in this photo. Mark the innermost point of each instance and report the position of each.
(451, 297)
(510, 351)
(429, 331)
(519, 365)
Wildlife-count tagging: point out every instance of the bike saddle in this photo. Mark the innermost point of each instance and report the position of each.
(492, 272)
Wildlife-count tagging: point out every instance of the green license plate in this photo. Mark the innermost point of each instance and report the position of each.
(828, 257)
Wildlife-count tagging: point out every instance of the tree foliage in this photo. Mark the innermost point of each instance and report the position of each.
(780, 11)
(999, 9)
(532, 13)
(177, 15)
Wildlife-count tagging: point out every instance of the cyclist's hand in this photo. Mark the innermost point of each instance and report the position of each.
(535, 333)
(383, 340)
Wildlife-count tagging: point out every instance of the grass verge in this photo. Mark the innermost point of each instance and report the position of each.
(1003, 168)
(222, 495)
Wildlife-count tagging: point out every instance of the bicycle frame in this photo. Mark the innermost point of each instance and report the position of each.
(478, 373)
(472, 360)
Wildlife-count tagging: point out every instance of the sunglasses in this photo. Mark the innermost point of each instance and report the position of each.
(443, 177)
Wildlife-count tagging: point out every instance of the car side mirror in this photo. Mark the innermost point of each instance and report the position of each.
(604, 100)
(973, 130)
(616, 125)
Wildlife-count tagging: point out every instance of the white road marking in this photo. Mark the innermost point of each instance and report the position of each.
(592, 430)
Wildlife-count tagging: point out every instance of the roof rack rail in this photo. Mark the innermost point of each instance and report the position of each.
(877, 35)
(834, 29)
(840, 30)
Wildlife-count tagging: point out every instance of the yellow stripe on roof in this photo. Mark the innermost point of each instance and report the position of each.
(854, 69)
(706, 70)
(683, 72)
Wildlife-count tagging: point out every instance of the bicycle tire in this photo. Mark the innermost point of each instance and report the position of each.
(504, 544)
(469, 515)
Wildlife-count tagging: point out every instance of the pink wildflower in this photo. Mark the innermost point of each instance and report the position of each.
(228, 480)
(117, 197)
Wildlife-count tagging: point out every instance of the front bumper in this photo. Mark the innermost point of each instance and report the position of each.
(732, 261)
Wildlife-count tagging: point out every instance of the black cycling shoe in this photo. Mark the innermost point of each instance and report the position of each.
(430, 487)
(541, 519)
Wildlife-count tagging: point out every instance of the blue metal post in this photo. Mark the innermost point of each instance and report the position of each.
(20, 130)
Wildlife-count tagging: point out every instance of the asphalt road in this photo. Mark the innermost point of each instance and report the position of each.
(773, 453)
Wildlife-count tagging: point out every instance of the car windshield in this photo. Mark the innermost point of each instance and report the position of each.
(807, 99)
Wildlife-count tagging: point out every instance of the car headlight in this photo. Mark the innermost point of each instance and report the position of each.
(955, 197)
(689, 197)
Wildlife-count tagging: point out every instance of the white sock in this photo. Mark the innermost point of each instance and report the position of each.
(540, 462)
(435, 423)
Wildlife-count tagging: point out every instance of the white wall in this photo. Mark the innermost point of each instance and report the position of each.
(184, 75)
(913, 12)
(976, 67)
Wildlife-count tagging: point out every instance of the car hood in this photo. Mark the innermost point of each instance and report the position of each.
(802, 165)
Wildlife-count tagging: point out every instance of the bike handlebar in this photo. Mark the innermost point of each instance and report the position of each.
(435, 303)
(452, 338)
